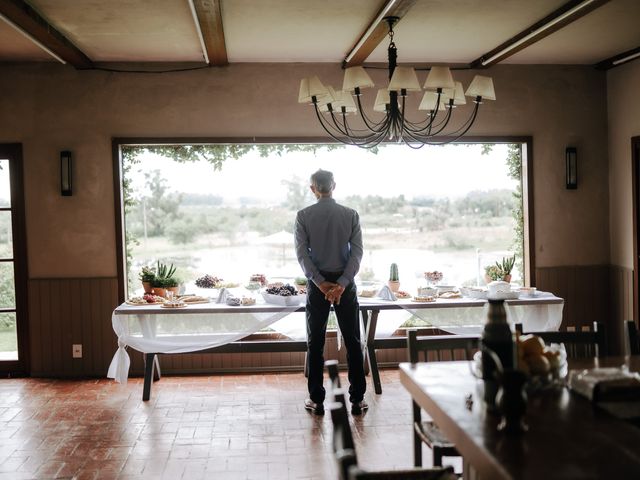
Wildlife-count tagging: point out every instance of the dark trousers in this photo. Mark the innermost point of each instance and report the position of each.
(317, 311)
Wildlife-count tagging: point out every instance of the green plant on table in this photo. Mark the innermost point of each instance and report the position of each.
(493, 272)
(506, 265)
(393, 273)
(162, 271)
(147, 274)
(171, 282)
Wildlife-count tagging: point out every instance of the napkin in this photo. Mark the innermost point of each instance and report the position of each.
(223, 295)
(605, 384)
(386, 294)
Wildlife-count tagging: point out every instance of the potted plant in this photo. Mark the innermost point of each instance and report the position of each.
(300, 283)
(163, 278)
(492, 273)
(506, 266)
(500, 270)
(394, 278)
(172, 285)
(147, 276)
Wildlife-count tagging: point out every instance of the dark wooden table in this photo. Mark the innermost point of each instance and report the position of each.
(568, 437)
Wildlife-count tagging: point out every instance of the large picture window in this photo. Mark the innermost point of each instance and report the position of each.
(228, 210)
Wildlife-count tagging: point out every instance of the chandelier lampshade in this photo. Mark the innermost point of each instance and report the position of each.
(442, 94)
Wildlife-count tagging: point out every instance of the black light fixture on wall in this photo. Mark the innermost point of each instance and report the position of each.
(65, 173)
(571, 158)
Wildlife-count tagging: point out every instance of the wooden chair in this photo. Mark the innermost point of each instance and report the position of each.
(332, 368)
(579, 343)
(345, 452)
(632, 342)
(438, 348)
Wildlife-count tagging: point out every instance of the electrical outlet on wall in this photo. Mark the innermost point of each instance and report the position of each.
(77, 350)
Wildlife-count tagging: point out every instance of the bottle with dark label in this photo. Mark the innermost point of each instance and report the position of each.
(497, 338)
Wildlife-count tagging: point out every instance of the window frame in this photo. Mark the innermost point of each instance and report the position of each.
(119, 142)
(20, 367)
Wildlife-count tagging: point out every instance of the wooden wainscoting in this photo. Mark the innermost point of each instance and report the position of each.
(67, 311)
(592, 293)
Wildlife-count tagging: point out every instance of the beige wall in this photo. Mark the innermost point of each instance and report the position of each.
(49, 108)
(624, 123)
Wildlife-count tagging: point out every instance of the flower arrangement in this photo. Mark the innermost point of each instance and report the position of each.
(147, 274)
(433, 277)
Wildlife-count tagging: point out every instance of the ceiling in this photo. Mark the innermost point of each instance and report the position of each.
(90, 33)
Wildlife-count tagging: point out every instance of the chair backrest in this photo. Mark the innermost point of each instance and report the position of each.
(632, 341)
(332, 368)
(342, 436)
(349, 470)
(579, 343)
(441, 347)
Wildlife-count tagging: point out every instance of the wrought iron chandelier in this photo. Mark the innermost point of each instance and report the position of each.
(442, 95)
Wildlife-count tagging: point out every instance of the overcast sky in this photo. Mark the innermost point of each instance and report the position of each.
(450, 171)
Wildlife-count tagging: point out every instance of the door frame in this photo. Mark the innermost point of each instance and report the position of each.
(635, 171)
(20, 367)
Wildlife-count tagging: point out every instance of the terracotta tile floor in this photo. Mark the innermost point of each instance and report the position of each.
(222, 427)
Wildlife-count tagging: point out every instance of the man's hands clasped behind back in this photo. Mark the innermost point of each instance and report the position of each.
(332, 292)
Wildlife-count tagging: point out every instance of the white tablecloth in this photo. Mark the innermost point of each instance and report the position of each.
(153, 329)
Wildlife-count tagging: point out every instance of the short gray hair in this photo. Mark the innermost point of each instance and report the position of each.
(323, 181)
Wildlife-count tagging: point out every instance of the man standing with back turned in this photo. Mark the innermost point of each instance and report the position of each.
(329, 249)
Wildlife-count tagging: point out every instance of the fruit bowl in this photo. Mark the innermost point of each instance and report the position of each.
(284, 301)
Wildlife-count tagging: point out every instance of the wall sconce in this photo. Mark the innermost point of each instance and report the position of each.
(571, 158)
(65, 173)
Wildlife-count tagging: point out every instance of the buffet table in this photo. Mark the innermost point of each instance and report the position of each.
(153, 329)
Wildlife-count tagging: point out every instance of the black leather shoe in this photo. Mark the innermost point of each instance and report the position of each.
(358, 408)
(313, 407)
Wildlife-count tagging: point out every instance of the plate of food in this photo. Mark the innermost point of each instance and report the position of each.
(402, 294)
(368, 292)
(174, 304)
(424, 298)
(449, 294)
(146, 300)
(193, 299)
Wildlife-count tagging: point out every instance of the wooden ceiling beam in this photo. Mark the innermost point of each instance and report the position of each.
(619, 59)
(27, 21)
(376, 31)
(209, 18)
(564, 15)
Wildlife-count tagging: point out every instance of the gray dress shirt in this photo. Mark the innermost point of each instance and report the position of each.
(328, 238)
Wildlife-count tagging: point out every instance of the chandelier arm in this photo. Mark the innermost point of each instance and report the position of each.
(351, 132)
(382, 128)
(344, 136)
(371, 125)
(467, 125)
(413, 145)
(444, 123)
(419, 127)
(347, 140)
(339, 127)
